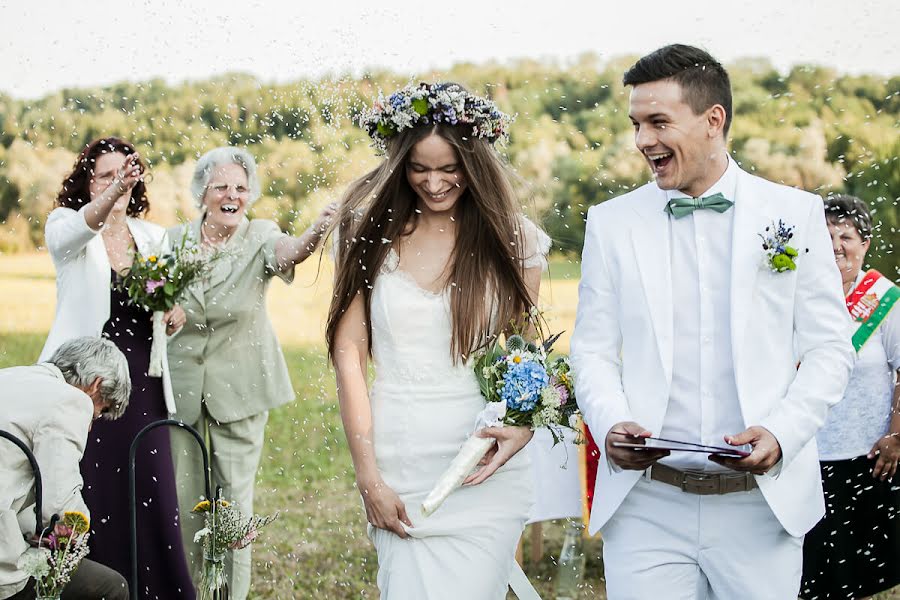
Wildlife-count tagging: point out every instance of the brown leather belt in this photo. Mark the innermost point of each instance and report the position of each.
(703, 484)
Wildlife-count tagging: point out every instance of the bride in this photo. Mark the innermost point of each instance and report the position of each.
(433, 260)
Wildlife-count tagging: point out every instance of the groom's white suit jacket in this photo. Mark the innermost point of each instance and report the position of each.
(623, 342)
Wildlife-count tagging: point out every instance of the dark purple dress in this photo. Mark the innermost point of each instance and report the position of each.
(162, 569)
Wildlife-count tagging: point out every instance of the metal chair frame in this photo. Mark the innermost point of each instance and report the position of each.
(132, 493)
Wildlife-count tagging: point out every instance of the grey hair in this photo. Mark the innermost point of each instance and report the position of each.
(218, 157)
(82, 360)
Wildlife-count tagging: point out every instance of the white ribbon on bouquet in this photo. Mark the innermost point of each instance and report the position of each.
(157, 345)
(469, 454)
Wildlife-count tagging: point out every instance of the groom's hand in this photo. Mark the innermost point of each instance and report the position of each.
(630, 458)
(766, 451)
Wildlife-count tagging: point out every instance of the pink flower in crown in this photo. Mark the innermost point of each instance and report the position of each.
(152, 284)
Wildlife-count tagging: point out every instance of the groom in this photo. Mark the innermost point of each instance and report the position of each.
(686, 331)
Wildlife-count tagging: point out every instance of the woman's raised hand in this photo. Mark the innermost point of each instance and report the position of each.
(323, 221)
(384, 508)
(128, 175)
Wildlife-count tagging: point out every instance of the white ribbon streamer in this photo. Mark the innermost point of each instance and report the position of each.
(158, 345)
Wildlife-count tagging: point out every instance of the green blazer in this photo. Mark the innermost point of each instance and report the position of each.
(227, 355)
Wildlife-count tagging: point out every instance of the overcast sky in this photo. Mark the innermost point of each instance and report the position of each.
(49, 44)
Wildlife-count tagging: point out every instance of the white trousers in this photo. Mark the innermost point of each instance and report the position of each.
(665, 543)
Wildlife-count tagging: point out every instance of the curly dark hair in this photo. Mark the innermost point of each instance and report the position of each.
(76, 192)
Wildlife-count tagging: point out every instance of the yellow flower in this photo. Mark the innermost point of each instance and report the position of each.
(203, 506)
(77, 520)
(152, 258)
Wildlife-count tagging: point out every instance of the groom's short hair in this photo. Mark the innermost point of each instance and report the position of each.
(704, 81)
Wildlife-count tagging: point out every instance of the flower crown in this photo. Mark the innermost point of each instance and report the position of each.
(427, 104)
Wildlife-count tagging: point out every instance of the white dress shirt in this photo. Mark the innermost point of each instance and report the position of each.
(703, 400)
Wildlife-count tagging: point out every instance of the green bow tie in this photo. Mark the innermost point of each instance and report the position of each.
(681, 207)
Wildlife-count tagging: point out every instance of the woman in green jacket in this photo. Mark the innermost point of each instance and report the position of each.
(227, 367)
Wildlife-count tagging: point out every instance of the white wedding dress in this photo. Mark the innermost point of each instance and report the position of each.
(424, 408)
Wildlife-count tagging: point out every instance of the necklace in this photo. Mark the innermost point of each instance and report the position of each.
(206, 239)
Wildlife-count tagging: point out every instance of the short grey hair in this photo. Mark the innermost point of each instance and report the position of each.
(212, 160)
(82, 360)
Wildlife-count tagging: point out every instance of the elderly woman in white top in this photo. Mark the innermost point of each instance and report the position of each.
(227, 367)
(92, 236)
(854, 551)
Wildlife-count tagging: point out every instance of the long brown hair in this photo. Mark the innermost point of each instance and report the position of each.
(76, 187)
(486, 271)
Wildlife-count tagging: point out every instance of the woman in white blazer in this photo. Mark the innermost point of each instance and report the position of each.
(92, 236)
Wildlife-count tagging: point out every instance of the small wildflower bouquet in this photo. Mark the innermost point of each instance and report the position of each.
(157, 282)
(57, 555)
(226, 529)
(523, 386)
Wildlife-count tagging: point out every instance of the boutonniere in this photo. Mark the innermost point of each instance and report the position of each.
(780, 256)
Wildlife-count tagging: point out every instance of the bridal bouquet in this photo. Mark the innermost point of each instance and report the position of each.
(523, 386)
(225, 529)
(157, 282)
(57, 555)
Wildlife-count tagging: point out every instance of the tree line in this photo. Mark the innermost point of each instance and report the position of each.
(571, 144)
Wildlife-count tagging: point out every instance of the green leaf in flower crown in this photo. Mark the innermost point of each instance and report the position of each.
(169, 289)
(515, 342)
(420, 105)
(385, 130)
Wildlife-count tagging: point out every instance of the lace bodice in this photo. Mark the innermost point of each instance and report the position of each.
(411, 326)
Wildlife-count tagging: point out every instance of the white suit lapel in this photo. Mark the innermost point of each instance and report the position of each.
(750, 219)
(650, 241)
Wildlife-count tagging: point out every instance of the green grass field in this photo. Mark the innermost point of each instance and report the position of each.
(318, 548)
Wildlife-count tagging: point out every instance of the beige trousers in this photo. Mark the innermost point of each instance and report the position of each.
(234, 450)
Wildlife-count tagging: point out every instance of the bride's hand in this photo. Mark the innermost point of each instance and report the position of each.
(509, 441)
(384, 508)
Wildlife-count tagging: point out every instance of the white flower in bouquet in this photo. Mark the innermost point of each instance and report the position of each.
(226, 530)
(57, 555)
(157, 282)
(522, 387)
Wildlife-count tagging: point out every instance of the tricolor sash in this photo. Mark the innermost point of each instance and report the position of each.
(588, 461)
(869, 303)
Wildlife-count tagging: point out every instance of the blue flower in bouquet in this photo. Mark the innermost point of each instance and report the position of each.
(522, 384)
